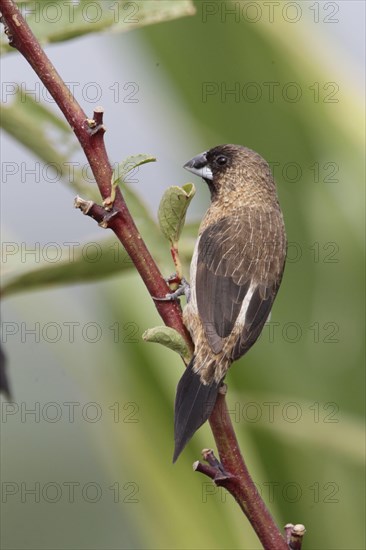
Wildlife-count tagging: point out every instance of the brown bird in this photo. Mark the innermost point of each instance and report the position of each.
(236, 271)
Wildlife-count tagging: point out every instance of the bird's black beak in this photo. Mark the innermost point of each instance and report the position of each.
(198, 165)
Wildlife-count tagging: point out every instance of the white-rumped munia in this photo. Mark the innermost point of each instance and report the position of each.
(236, 271)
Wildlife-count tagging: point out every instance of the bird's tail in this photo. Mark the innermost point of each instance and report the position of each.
(193, 405)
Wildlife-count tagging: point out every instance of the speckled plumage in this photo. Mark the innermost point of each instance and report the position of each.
(236, 271)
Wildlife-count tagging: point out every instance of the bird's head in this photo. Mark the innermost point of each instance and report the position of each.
(234, 168)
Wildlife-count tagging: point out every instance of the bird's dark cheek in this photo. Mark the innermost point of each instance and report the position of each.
(212, 188)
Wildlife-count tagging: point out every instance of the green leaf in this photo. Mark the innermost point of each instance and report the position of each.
(121, 171)
(88, 263)
(108, 257)
(172, 210)
(169, 338)
(127, 165)
(53, 146)
(72, 20)
(24, 119)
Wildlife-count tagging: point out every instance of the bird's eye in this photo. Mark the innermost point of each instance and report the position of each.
(221, 160)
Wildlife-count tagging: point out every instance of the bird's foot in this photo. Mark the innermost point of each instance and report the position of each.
(183, 289)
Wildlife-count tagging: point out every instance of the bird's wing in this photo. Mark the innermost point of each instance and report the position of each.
(239, 266)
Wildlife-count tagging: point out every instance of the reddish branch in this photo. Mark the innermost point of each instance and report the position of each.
(231, 473)
(91, 140)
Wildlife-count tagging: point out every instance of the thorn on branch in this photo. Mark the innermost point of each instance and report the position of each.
(213, 469)
(95, 211)
(95, 124)
(205, 469)
(109, 202)
(83, 204)
(98, 114)
(294, 535)
(208, 456)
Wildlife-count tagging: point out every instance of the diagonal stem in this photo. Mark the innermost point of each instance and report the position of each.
(238, 482)
(241, 485)
(22, 38)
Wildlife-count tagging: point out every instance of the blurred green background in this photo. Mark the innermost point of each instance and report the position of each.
(90, 467)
